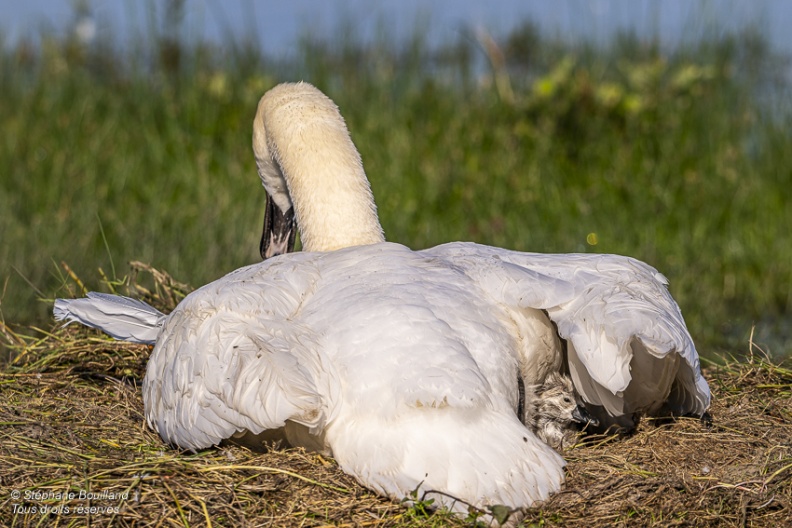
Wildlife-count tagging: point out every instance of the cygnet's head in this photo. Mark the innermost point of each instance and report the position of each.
(553, 413)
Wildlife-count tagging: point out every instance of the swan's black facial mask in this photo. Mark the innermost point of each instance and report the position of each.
(280, 228)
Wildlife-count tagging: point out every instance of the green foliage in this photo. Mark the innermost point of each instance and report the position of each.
(419, 508)
(677, 157)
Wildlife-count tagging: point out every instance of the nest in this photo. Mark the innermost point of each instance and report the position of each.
(75, 450)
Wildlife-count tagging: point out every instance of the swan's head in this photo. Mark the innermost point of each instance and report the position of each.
(312, 173)
(553, 413)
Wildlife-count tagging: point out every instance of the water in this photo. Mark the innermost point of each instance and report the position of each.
(277, 26)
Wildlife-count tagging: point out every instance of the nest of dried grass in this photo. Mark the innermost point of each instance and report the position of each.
(74, 450)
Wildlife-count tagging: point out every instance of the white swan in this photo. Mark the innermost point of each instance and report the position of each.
(403, 364)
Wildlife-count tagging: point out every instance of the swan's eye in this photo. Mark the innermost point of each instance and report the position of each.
(567, 400)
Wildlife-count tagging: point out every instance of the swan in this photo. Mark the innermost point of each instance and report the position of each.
(552, 413)
(404, 365)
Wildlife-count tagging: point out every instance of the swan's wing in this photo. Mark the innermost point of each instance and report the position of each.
(628, 347)
(227, 361)
(122, 318)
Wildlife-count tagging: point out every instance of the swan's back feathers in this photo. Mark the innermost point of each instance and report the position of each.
(628, 348)
(429, 386)
(122, 318)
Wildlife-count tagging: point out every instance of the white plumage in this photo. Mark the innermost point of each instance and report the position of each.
(403, 364)
(628, 349)
(121, 318)
(369, 349)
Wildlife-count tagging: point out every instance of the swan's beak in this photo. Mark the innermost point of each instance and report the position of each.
(581, 415)
(277, 237)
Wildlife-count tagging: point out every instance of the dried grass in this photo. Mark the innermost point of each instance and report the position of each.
(72, 422)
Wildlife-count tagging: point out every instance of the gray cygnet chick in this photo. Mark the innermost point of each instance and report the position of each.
(552, 412)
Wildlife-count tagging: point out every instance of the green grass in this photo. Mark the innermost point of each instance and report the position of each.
(677, 157)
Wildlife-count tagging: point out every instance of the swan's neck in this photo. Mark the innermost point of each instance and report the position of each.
(307, 160)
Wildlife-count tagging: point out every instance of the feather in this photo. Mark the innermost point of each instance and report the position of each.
(628, 349)
(122, 318)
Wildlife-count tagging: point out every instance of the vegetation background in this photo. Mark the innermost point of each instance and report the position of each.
(113, 152)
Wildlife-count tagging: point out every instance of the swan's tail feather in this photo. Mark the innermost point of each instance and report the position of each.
(484, 460)
(122, 318)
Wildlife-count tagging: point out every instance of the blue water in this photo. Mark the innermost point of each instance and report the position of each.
(278, 25)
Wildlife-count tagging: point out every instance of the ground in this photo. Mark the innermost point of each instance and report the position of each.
(75, 450)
